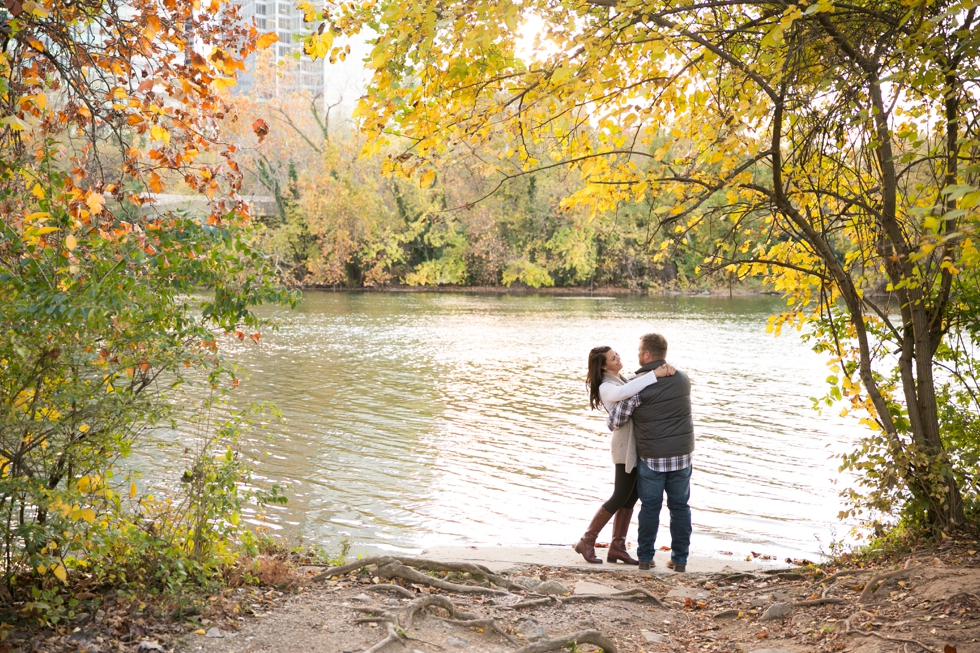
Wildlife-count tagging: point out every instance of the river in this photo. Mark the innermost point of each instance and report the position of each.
(417, 419)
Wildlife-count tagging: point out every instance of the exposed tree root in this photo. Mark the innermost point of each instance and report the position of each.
(545, 600)
(626, 595)
(393, 636)
(969, 595)
(890, 639)
(849, 627)
(734, 578)
(394, 621)
(558, 643)
(839, 574)
(419, 563)
(827, 600)
(433, 600)
(458, 617)
(409, 594)
(396, 570)
(827, 589)
(384, 616)
(868, 592)
(483, 623)
(330, 572)
(406, 618)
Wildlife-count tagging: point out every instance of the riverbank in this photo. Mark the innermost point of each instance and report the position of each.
(926, 600)
(585, 291)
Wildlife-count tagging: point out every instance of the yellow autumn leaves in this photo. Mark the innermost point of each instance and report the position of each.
(85, 485)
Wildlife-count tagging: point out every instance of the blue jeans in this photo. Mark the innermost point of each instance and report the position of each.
(651, 487)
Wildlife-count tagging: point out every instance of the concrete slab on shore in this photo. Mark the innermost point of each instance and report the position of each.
(502, 558)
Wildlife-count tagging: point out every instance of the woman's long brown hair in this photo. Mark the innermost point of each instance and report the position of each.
(597, 359)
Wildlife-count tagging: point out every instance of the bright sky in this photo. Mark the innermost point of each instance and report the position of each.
(348, 79)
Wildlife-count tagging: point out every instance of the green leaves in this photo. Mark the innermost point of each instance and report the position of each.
(100, 331)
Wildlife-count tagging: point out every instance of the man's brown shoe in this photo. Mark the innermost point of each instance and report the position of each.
(646, 565)
(678, 568)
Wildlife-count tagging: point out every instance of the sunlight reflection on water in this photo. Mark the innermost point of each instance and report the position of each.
(423, 419)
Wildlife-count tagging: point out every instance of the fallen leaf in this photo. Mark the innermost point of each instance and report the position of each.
(200, 631)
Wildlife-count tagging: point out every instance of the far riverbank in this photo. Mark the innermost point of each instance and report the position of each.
(553, 290)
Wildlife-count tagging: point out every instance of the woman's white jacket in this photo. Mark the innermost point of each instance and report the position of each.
(612, 390)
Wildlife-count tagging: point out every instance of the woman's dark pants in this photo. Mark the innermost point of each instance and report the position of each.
(624, 491)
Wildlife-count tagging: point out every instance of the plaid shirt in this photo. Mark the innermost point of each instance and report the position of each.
(621, 413)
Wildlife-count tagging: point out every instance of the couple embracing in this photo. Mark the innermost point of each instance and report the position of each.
(652, 443)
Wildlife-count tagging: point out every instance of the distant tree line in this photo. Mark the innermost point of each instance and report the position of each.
(342, 221)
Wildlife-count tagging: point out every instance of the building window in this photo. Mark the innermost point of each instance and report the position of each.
(260, 10)
(284, 8)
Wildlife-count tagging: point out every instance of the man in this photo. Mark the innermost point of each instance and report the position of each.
(664, 432)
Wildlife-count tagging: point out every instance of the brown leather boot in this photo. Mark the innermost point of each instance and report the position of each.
(617, 547)
(586, 546)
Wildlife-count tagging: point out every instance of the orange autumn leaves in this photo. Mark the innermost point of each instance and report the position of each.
(150, 124)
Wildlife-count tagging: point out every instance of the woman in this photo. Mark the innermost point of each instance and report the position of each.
(607, 387)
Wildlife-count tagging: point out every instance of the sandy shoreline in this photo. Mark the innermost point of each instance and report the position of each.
(504, 559)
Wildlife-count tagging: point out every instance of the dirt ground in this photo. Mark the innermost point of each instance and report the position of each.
(928, 601)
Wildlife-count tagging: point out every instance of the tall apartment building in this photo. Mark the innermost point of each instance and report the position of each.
(300, 72)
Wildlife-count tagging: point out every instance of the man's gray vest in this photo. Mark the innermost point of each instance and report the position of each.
(662, 423)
